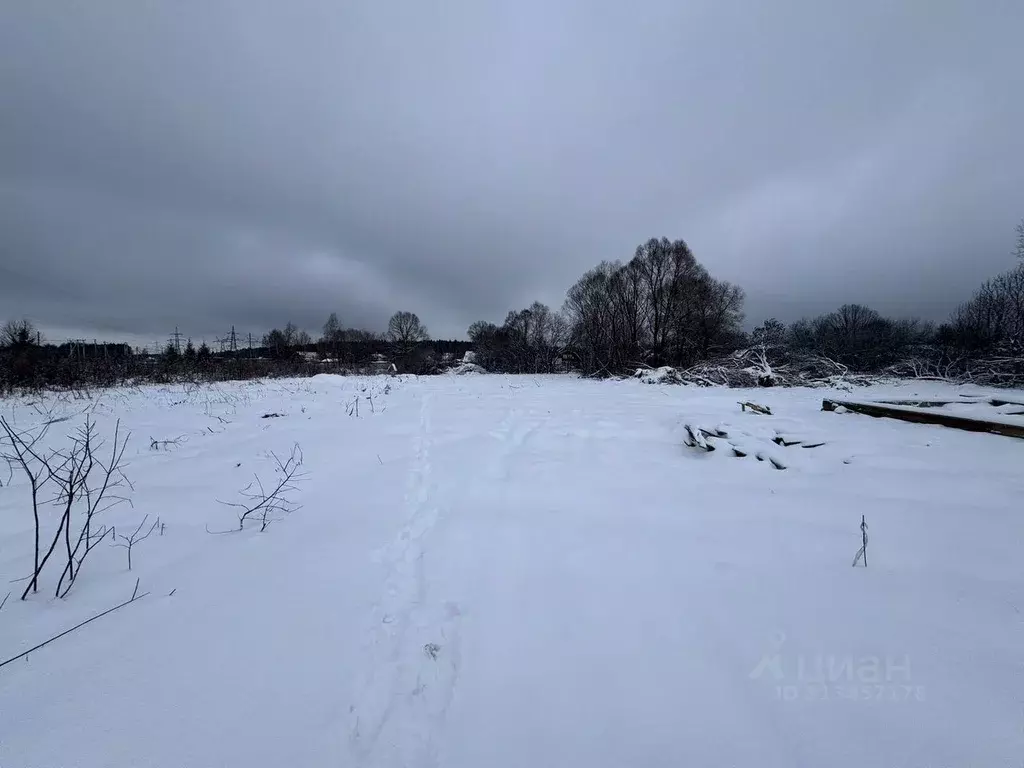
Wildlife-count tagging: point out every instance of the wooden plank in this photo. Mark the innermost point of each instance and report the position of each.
(881, 410)
(997, 401)
(926, 403)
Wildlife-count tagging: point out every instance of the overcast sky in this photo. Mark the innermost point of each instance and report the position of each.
(203, 163)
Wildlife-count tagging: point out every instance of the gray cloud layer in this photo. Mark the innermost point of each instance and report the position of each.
(204, 164)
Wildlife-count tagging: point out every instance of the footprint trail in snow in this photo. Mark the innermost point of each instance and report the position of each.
(413, 651)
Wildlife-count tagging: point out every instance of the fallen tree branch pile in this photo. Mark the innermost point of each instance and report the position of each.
(763, 366)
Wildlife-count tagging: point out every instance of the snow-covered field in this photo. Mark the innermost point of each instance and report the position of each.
(518, 571)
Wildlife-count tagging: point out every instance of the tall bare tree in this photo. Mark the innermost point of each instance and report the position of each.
(332, 330)
(405, 331)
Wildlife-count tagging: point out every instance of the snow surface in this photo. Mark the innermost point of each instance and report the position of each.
(531, 571)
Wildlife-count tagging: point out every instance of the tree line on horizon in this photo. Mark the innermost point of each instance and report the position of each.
(28, 360)
(661, 308)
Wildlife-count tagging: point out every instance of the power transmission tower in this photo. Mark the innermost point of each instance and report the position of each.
(229, 343)
(176, 339)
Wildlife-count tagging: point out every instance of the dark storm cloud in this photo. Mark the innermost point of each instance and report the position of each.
(215, 163)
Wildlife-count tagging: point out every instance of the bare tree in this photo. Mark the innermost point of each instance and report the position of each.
(19, 334)
(479, 330)
(283, 342)
(405, 331)
(360, 335)
(588, 308)
(332, 333)
(653, 260)
(770, 334)
(994, 315)
(717, 315)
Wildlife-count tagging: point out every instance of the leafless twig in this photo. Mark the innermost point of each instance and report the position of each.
(268, 504)
(36, 468)
(862, 553)
(164, 445)
(127, 542)
(135, 596)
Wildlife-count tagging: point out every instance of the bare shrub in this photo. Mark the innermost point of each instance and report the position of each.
(267, 504)
(166, 445)
(129, 541)
(87, 482)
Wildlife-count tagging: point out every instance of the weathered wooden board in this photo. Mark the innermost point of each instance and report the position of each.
(929, 403)
(997, 401)
(923, 416)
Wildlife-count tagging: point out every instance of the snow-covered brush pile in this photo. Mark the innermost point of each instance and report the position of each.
(766, 366)
(1003, 368)
(666, 374)
(745, 368)
(753, 367)
(464, 368)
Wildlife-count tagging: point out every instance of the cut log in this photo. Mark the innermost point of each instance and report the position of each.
(883, 410)
(762, 409)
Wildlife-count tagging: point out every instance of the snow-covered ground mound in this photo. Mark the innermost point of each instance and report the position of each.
(535, 571)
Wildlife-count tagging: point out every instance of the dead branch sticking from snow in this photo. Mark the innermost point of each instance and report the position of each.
(267, 504)
(862, 553)
(166, 445)
(134, 598)
(129, 541)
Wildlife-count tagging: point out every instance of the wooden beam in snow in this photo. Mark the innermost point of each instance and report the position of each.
(923, 416)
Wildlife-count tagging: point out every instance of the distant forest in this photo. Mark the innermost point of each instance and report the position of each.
(661, 308)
